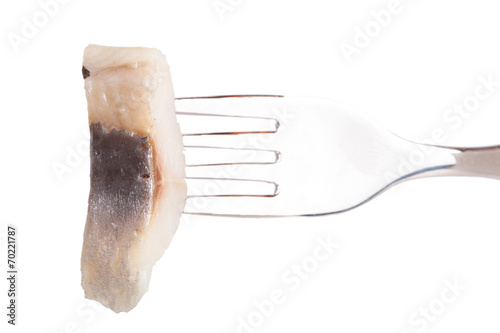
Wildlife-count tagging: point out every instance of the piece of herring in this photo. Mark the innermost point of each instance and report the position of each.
(137, 173)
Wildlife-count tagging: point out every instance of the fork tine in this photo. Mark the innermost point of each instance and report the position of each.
(227, 96)
(258, 172)
(256, 206)
(198, 156)
(242, 106)
(199, 187)
(252, 141)
(223, 124)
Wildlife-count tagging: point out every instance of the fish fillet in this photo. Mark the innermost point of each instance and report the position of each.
(137, 172)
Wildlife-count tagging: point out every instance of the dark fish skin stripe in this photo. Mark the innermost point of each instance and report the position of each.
(85, 72)
(122, 175)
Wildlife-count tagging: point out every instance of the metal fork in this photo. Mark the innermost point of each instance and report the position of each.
(275, 156)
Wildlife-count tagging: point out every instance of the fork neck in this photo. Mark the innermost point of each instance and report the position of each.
(470, 162)
(478, 162)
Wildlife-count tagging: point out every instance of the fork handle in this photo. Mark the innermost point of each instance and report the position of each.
(478, 162)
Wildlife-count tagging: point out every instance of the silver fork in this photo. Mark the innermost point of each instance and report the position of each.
(275, 156)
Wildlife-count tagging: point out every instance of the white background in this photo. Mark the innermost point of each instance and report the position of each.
(396, 252)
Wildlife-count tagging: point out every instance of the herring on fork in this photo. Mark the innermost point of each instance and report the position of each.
(275, 156)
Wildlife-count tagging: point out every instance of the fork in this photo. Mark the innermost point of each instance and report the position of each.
(276, 156)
